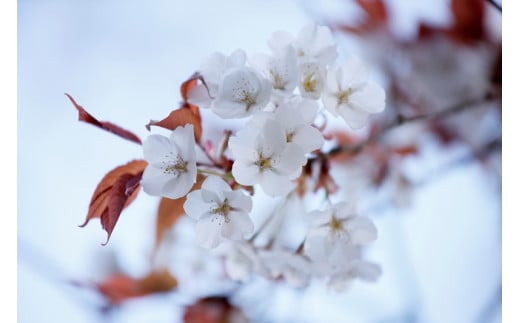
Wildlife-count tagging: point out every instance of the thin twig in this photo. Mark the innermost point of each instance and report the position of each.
(401, 120)
(496, 5)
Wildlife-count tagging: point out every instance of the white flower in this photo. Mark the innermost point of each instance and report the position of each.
(172, 169)
(349, 94)
(241, 93)
(221, 213)
(314, 43)
(212, 70)
(311, 80)
(263, 156)
(342, 279)
(280, 69)
(294, 268)
(241, 260)
(334, 231)
(295, 117)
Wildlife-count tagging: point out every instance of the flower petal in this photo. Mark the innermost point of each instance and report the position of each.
(369, 98)
(245, 173)
(208, 232)
(308, 138)
(239, 201)
(195, 206)
(238, 227)
(155, 148)
(354, 118)
(352, 74)
(181, 185)
(274, 184)
(361, 230)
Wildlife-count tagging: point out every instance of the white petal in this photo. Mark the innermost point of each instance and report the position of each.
(194, 206)
(316, 246)
(367, 271)
(237, 58)
(239, 201)
(274, 138)
(238, 227)
(362, 230)
(354, 118)
(353, 73)
(308, 138)
(215, 184)
(184, 138)
(245, 173)
(291, 160)
(330, 102)
(199, 96)
(308, 109)
(208, 232)
(274, 184)
(156, 147)
(369, 98)
(181, 185)
(154, 179)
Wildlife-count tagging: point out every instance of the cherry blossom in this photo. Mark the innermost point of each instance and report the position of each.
(264, 157)
(349, 94)
(212, 70)
(342, 279)
(335, 230)
(294, 268)
(172, 169)
(242, 92)
(313, 43)
(280, 68)
(221, 213)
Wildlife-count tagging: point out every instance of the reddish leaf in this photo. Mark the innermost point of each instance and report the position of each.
(120, 287)
(209, 310)
(110, 127)
(376, 17)
(405, 150)
(468, 16)
(116, 191)
(170, 210)
(190, 84)
(187, 114)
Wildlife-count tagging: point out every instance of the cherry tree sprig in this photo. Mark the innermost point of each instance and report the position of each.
(279, 98)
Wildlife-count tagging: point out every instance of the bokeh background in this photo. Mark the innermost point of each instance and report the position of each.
(124, 61)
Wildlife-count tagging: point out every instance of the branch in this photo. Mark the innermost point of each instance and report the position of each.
(401, 120)
(496, 5)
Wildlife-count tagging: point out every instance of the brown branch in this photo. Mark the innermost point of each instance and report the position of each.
(401, 120)
(496, 5)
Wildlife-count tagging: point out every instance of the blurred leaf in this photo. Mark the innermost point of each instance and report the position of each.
(120, 287)
(375, 17)
(116, 190)
(213, 310)
(170, 210)
(110, 127)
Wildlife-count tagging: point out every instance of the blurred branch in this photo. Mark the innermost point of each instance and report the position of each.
(496, 5)
(401, 120)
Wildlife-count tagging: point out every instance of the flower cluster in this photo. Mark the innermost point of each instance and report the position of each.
(278, 96)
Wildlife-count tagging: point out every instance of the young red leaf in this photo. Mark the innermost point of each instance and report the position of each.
(120, 287)
(110, 127)
(190, 83)
(170, 210)
(116, 190)
(188, 113)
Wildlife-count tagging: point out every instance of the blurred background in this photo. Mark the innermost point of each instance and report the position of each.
(438, 211)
